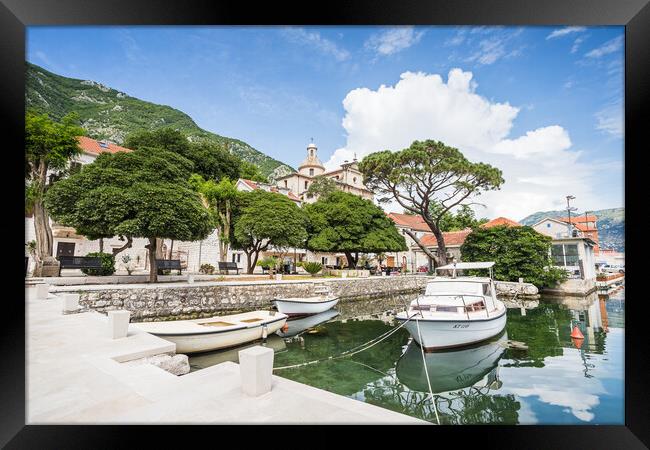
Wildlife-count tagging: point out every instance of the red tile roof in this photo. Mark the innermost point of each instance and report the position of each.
(94, 147)
(250, 183)
(501, 221)
(452, 238)
(410, 221)
(580, 219)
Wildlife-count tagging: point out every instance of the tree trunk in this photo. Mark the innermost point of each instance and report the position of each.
(101, 245)
(159, 250)
(442, 248)
(44, 239)
(153, 269)
(426, 251)
(171, 249)
(351, 261)
(250, 266)
(129, 244)
(224, 230)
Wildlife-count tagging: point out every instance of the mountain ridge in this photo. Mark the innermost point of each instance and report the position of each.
(107, 113)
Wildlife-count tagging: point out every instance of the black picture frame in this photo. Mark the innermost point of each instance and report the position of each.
(15, 15)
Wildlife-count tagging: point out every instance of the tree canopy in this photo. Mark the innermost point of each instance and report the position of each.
(144, 193)
(49, 147)
(210, 160)
(428, 173)
(343, 222)
(264, 220)
(321, 186)
(463, 218)
(516, 251)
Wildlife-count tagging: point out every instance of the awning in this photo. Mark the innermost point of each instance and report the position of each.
(467, 265)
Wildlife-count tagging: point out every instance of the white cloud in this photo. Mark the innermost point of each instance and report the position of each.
(540, 166)
(564, 31)
(393, 40)
(610, 120)
(495, 47)
(576, 44)
(315, 40)
(611, 46)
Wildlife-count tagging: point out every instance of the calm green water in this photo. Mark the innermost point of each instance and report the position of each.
(550, 379)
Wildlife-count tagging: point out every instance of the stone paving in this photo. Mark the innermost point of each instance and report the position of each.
(75, 375)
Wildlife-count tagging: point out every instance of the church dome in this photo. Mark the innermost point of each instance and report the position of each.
(312, 159)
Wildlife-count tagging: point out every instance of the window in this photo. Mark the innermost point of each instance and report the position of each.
(285, 183)
(311, 172)
(236, 257)
(306, 184)
(324, 260)
(564, 254)
(548, 225)
(354, 180)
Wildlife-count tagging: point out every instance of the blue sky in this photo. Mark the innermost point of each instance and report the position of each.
(544, 104)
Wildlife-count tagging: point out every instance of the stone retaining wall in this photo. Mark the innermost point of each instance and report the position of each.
(185, 301)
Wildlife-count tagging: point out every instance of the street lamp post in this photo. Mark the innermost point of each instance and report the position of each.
(569, 209)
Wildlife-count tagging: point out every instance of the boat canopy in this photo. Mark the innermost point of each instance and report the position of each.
(467, 265)
(457, 287)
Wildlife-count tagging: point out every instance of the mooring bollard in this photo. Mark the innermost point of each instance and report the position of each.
(118, 323)
(42, 290)
(256, 370)
(70, 302)
(190, 278)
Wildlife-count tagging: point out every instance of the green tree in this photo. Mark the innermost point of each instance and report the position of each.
(321, 186)
(266, 219)
(144, 193)
(463, 218)
(49, 146)
(211, 161)
(343, 222)
(251, 172)
(220, 197)
(516, 251)
(428, 172)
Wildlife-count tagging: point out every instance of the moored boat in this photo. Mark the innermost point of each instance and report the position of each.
(455, 311)
(302, 306)
(213, 333)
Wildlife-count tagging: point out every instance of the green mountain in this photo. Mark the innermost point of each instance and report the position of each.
(610, 224)
(109, 114)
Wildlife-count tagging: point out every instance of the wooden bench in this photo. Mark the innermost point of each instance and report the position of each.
(228, 266)
(79, 262)
(168, 264)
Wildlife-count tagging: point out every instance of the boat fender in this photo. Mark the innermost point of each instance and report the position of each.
(285, 327)
(265, 332)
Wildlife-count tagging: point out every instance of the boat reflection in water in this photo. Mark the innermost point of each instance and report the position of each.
(451, 370)
(203, 360)
(297, 326)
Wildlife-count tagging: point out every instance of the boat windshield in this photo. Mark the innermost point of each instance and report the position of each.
(457, 287)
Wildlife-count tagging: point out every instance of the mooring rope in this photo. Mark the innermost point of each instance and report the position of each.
(426, 372)
(351, 352)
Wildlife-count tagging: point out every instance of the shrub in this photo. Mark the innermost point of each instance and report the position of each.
(312, 267)
(126, 259)
(108, 265)
(206, 269)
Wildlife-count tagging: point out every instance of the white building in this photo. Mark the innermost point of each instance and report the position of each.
(348, 178)
(570, 248)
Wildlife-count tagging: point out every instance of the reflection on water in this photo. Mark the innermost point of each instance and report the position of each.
(548, 378)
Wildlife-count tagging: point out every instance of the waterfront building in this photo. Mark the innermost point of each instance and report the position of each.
(347, 177)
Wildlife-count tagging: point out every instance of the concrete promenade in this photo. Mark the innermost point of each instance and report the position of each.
(75, 375)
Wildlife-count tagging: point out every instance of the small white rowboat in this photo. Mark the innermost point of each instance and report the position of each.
(202, 335)
(304, 305)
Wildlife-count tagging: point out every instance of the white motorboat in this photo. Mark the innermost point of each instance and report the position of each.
(294, 327)
(302, 306)
(202, 335)
(455, 311)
